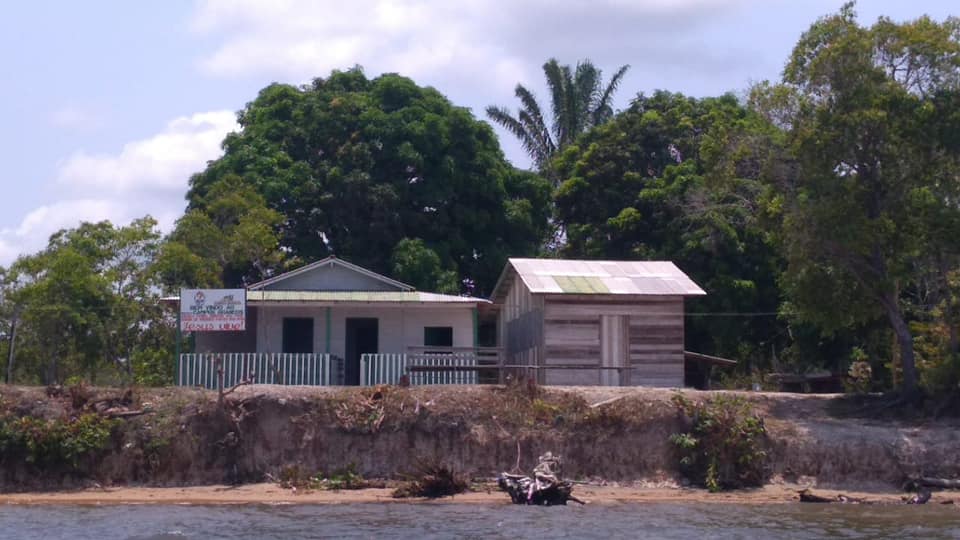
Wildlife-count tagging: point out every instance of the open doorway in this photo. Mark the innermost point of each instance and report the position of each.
(362, 338)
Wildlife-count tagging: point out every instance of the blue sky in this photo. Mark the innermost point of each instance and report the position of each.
(108, 106)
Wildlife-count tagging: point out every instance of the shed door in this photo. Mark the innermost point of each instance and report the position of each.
(614, 347)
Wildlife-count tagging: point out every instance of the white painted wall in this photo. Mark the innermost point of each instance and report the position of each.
(399, 327)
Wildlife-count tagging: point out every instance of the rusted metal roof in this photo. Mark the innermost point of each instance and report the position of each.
(361, 297)
(567, 276)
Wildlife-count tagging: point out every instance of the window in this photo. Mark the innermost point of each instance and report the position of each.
(438, 336)
(297, 335)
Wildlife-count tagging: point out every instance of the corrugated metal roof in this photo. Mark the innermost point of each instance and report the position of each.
(603, 277)
(361, 296)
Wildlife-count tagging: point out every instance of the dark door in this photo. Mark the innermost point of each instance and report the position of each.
(297, 335)
(362, 335)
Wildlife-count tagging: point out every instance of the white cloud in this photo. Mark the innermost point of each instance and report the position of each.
(147, 176)
(470, 41)
(161, 162)
(36, 227)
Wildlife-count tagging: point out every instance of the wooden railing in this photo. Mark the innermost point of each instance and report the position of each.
(433, 365)
(486, 367)
(311, 369)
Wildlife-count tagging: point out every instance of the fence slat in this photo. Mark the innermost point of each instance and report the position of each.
(311, 369)
(199, 369)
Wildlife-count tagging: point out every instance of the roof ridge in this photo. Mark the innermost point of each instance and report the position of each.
(330, 260)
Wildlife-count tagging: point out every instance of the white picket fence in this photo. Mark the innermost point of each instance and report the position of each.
(388, 368)
(311, 369)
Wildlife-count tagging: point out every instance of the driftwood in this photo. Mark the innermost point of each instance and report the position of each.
(545, 488)
(922, 496)
(807, 496)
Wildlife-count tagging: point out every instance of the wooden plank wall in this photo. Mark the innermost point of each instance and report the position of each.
(648, 328)
(656, 343)
(521, 325)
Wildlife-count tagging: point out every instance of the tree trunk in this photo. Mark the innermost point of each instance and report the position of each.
(10, 350)
(954, 341)
(905, 340)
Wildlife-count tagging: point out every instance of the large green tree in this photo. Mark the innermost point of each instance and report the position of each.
(84, 301)
(872, 190)
(355, 165)
(676, 178)
(578, 101)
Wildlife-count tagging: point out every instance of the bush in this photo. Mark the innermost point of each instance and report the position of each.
(432, 480)
(53, 443)
(723, 447)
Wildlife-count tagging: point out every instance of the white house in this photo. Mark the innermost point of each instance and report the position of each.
(335, 310)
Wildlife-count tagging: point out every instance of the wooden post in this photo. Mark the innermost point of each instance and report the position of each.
(500, 362)
(327, 335)
(476, 328)
(177, 339)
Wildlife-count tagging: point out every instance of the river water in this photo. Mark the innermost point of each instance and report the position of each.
(450, 520)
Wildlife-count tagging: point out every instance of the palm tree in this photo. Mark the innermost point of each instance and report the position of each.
(579, 100)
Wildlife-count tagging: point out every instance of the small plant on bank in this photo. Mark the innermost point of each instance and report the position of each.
(346, 478)
(723, 446)
(860, 375)
(341, 479)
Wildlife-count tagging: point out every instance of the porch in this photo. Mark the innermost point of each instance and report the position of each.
(421, 365)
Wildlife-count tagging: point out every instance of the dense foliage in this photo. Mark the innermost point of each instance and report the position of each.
(640, 187)
(868, 213)
(88, 306)
(51, 444)
(355, 166)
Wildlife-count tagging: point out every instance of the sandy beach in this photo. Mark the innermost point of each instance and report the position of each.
(488, 494)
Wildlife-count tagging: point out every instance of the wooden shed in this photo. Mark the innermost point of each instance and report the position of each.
(611, 323)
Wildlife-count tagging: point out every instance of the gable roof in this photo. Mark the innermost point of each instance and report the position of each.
(330, 262)
(569, 276)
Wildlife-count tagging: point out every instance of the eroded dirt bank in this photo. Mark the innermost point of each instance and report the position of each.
(617, 434)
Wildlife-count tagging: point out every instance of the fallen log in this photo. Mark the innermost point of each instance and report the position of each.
(807, 496)
(943, 483)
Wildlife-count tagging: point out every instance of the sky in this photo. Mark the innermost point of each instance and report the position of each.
(108, 107)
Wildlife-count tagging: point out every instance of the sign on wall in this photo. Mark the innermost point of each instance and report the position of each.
(213, 310)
